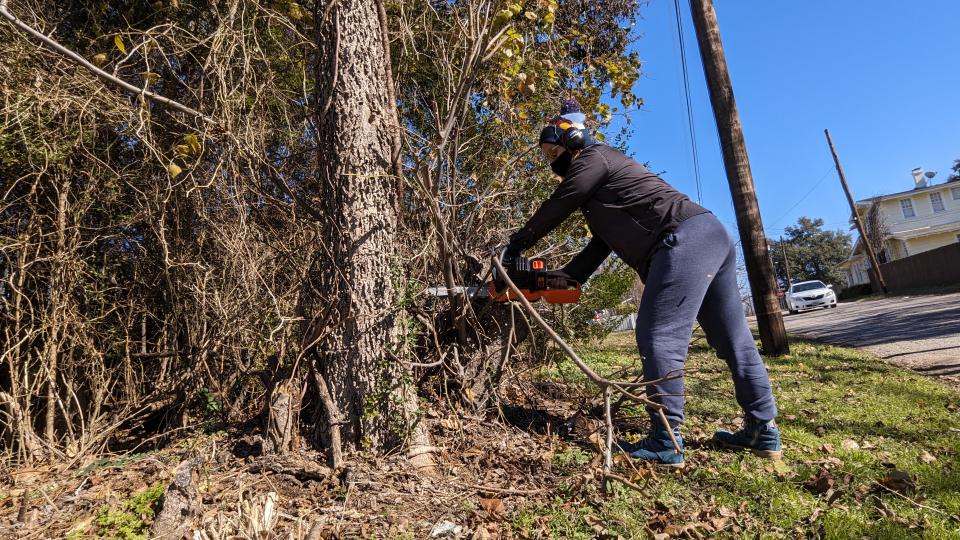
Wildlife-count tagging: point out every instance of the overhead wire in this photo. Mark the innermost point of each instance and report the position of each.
(807, 194)
(689, 102)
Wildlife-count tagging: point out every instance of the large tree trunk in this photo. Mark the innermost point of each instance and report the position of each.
(357, 127)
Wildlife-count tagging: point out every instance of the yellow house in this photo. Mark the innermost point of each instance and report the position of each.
(924, 218)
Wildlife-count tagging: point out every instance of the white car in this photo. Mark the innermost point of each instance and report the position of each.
(809, 295)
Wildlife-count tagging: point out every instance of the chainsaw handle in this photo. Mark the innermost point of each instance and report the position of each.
(498, 282)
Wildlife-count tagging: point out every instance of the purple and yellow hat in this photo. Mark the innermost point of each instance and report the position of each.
(570, 116)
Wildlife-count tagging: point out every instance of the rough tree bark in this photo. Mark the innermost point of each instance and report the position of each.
(356, 124)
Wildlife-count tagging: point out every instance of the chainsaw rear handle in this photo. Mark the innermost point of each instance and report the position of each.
(505, 258)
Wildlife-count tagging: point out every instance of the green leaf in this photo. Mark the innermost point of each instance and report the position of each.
(503, 16)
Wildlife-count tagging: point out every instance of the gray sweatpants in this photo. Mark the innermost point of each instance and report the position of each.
(693, 276)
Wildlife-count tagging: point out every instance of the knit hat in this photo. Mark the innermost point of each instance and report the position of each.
(570, 110)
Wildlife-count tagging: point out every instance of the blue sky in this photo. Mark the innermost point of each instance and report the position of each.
(883, 76)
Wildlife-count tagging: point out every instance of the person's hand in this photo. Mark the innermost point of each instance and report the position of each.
(510, 253)
(559, 278)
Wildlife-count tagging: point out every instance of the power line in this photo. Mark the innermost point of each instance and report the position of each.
(815, 185)
(686, 90)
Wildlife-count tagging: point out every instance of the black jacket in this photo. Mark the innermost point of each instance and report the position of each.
(627, 207)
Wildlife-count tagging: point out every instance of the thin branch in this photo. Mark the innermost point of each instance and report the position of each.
(56, 46)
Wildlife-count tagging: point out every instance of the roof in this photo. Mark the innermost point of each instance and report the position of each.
(926, 230)
(856, 254)
(913, 191)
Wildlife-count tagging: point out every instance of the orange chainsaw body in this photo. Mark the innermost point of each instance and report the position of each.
(550, 296)
(536, 283)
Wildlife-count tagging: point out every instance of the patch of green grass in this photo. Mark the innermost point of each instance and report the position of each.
(570, 458)
(129, 519)
(843, 413)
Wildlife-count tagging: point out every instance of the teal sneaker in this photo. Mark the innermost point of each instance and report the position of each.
(656, 448)
(761, 438)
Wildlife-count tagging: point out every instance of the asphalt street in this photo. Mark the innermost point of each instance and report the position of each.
(918, 332)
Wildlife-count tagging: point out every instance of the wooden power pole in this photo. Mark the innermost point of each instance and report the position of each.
(760, 273)
(786, 264)
(856, 217)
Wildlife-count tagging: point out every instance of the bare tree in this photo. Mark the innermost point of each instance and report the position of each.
(875, 224)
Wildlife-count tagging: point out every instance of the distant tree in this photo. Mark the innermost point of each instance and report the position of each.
(955, 177)
(877, 230)
(812, 252)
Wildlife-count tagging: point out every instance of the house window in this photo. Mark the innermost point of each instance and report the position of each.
(937, 202)
(956, 193)
(906, 205)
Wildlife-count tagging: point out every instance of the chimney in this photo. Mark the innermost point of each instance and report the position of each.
(918, 178)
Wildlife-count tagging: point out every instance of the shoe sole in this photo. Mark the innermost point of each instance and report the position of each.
(659, 463)
(769, 454)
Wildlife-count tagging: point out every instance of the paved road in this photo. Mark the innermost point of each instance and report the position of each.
(918, 332)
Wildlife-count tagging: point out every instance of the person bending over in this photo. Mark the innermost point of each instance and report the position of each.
(687, 262)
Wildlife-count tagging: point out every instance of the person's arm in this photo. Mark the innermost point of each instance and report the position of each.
(587, 173)
(585, 263)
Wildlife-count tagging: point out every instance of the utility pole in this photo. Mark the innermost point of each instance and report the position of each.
(856, 217)
(760, 273)
(786, 265)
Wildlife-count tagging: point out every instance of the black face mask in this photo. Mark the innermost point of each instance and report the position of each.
(561, 165)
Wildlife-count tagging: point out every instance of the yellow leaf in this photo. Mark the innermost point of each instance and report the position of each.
(193, 142)
(174, 170)
(295, 12)
(781, 467)
(549, 18)
(523, 115)
(118, 41)
(182, 150)
(151, 77)
(530, 16)
(99, 59)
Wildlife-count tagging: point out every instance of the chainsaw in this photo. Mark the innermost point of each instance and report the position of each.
(531, 276)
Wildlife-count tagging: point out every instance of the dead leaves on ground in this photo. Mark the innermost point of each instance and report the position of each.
(899, 481)
(664, 524)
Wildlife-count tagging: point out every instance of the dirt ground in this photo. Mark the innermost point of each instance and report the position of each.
(921, 333)
(488, 468)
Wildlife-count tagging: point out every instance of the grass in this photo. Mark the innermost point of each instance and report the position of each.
(126, 520)
(845, 416)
